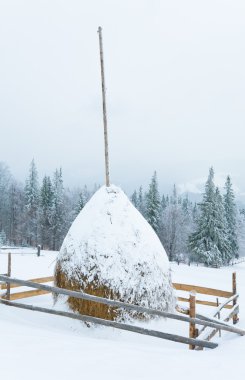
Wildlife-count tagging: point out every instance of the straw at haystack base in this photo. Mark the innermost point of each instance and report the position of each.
(95, 288)
(85, 307)
(111, 251)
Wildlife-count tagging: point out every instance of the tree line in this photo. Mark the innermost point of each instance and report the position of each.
(211, 232)
(41, 212)
(37, 213)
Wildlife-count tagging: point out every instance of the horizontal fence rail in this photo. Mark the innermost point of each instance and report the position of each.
(208, 335)
(177, 286)
(39, 280)
(210, 326)
(119, 304)
(117, 325)
(202, 290)
(26, 294)
(203, 302)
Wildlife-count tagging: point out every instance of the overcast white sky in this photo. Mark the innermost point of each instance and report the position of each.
(175, 74)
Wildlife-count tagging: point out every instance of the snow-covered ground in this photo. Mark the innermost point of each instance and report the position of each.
(40, 346)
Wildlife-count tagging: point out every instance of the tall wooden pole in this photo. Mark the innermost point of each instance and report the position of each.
(104, 108)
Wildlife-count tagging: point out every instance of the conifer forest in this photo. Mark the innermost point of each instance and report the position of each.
(40, 212)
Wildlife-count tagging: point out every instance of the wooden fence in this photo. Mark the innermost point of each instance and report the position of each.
(211, 292)
(197, 338)
(230, 303)
(177, 286)
(192, 340)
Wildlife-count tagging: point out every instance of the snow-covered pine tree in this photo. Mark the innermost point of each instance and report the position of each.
(32, 205)
(134, 199)
(58, 214)
(5, 185)
(204, 241)
(174, 226)
(17, 213)
(46, 209)
(164, 202)
(153, 204)
(83, 197)
(86, 194)
(231, 217)
(221, 229)
(141, 202)
(241, 231)
(3, 238)
(195, 213)
(169, 233)
(187, 225)
(81, 203)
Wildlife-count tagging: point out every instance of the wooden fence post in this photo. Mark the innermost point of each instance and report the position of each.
(9, 275)
(218, 315)
(192, 327)
(234, 291)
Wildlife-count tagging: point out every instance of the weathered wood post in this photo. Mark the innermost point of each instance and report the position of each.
(192, 326)
(9, 275)
(38, 250)
(234, 291)
(217, 302)
(104, 108)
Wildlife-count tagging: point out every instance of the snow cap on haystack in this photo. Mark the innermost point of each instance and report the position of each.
(111, 251)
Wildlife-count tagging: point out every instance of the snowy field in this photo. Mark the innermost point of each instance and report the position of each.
(38, 346)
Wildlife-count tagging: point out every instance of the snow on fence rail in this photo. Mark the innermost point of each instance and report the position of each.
(229, 303)
(177, 286)
(208, 334)
(194, 318)
(182, 287)
(191, 341)
(21, 250)
(117, 325)
(210, 292)
(202, 290)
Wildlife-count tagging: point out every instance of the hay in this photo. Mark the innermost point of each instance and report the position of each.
(112, 252)
(93, 309)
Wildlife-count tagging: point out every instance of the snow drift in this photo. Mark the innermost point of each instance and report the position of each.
(111, 251)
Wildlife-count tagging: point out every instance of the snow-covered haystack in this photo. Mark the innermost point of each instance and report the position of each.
(111, 251)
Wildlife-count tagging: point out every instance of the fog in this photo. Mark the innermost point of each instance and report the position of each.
(175, 90)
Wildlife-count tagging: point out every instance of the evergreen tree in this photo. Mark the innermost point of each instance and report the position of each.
(46, 205)
(195, 213)
(209, 242)
(141, 202)
(58, 210)
(164, 202)
(221, 229)
(240, 222)
(32, 205)
(86, 194)
(174, 226)
(231, 217)
(5, 185)
(3, 238)
(153, 204)
(17, 214)
(187, 225)
(134, 199)
(81, 203)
